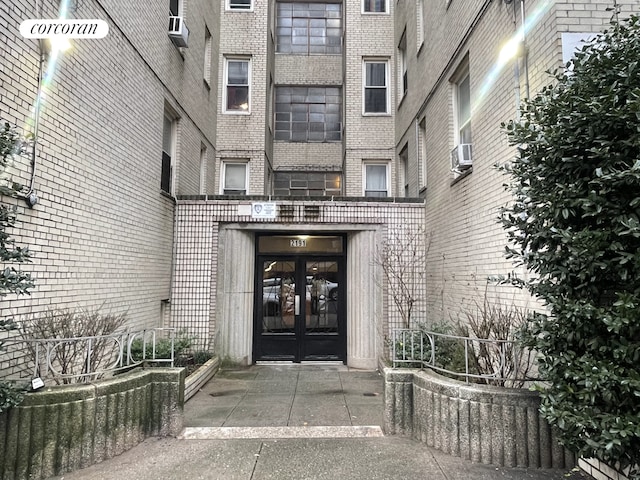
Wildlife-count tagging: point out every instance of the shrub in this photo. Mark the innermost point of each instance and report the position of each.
(12, 280)
(181, 343)
(70, 358)
(575, 224)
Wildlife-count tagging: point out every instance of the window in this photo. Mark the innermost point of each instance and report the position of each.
(239, 4)
(375, 180)
(237, 85)
(403, 84)
(422, 141)
(375, 87)
(374, 6)
(307, 184)
(206, 71)
(420, 27)
(309, 114)
(168, 152)
(462, 101)
(234, 180)
(309, 28)
(175, 8)
(203, 169)
(404, 164)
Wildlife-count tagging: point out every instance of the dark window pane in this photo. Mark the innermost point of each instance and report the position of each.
(173, 8)
(237, 98)
(240, 4)
(376, 74)
(375, 100)
(165, 175)
(238, 73)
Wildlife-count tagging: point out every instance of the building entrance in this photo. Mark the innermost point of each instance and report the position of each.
(300, 299)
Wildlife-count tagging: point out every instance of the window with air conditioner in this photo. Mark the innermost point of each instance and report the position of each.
(178, 31)
(462, 153)
(237, 80)
(234, 178)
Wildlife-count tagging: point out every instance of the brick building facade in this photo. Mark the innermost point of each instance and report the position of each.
(151, 157)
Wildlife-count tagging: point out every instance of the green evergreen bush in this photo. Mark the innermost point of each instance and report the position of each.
(575, 224)
(12, 280)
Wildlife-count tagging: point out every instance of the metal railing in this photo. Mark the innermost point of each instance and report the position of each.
(84, 359)
(490, 361)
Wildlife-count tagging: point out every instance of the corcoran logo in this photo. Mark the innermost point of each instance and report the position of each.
(64, 28)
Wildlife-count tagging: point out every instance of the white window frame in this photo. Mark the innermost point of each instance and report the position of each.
(208, 49)
(459, 78)
(173, 120)
(230, 8)
(366, 61)
(402, 67)
(223, 176)
(383, 163)
(403, 158)
(203, 169)
(365, 12)
(227, 60)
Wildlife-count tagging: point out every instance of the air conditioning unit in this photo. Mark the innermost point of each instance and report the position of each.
(178, 32)
(461, 158)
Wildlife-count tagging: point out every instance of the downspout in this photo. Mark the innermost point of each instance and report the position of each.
(525, 53)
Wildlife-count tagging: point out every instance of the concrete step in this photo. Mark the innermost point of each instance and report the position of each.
(228, 433)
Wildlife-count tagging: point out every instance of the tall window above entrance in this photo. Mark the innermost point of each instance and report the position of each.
(307, 184)
(309, 28)
(309, 114)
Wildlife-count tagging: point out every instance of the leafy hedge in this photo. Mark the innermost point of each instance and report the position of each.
(12, 280)
(575, 224)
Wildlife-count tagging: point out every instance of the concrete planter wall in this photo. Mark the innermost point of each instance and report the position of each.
(202, 375)
(484, 424)
(69, 427)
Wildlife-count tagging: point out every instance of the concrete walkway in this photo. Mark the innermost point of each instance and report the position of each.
(293, 422)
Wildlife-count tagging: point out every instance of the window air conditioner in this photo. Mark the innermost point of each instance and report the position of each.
(178, 32)
(461, 158)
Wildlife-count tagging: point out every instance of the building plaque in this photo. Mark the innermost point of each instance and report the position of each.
(263, 210)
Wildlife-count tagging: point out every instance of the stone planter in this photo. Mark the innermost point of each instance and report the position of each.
(63, 428)
(481, 423)
(202, 375)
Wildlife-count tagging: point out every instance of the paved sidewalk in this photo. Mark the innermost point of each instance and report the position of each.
(292, 422)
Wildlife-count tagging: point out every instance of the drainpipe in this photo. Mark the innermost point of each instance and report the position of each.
(525, 53)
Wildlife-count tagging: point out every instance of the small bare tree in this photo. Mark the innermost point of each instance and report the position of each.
(72, 357)
(402, 258)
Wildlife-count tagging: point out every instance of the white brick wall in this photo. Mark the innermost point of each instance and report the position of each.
(601, 471)
(467, 243)
(102, 231)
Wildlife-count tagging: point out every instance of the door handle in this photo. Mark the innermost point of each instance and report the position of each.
(297, 305)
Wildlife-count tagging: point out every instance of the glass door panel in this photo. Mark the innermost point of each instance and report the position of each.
(321, 316)
(278, 297)
(300, 308)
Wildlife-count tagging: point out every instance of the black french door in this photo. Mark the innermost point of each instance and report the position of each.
(300, 308)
